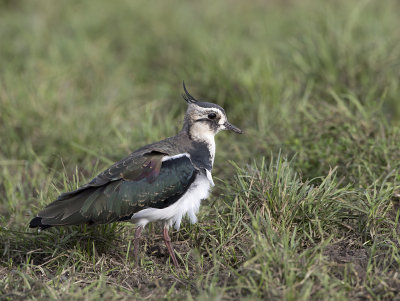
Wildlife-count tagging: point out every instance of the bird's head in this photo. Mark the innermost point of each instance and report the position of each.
(204, 119)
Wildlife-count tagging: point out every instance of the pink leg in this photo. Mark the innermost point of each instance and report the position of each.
(136, 243)
(167, 241)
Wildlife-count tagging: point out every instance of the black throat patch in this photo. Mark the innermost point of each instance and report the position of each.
(200, 155)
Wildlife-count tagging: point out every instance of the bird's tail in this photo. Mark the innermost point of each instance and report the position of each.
(93, 205)
(64, 211)
(37, 223)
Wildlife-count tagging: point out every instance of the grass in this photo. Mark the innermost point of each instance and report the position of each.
(306, 202)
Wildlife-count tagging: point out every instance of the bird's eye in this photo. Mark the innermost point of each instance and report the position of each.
(212, 116)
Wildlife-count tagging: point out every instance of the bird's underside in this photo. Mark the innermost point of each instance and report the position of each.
(131, 185)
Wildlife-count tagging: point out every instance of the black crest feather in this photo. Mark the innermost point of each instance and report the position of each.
(189, 98)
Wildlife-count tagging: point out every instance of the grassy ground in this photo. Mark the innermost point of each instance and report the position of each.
(305, 206)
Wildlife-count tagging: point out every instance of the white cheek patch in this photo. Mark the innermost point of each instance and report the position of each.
(221, 121)
(202, 130)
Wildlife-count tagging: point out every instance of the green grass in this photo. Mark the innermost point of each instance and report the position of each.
(306, 202)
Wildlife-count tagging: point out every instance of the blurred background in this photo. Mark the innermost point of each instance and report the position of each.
(84, 83)
(82, 80)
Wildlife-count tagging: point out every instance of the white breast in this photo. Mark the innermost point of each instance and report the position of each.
(188, 204)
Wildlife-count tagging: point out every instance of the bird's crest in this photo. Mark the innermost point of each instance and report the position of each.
(189, 98)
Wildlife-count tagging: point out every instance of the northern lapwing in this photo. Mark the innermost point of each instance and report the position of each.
(162, 181)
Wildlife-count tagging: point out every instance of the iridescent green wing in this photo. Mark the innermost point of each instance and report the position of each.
(122, 190)
(132, 167)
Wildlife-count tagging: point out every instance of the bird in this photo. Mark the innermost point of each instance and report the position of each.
(160, 182)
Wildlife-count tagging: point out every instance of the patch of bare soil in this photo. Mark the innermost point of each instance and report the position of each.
(345, 253)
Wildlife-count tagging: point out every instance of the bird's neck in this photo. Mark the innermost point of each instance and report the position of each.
(202, 147)
(203, 134)
(209, 143)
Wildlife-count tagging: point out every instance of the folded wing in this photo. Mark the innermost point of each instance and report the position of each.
(122, 190)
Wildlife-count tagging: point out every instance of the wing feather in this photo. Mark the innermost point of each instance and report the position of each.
(131, 168)
(123, 190)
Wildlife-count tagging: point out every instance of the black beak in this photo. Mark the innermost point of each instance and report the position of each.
(231, 127)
